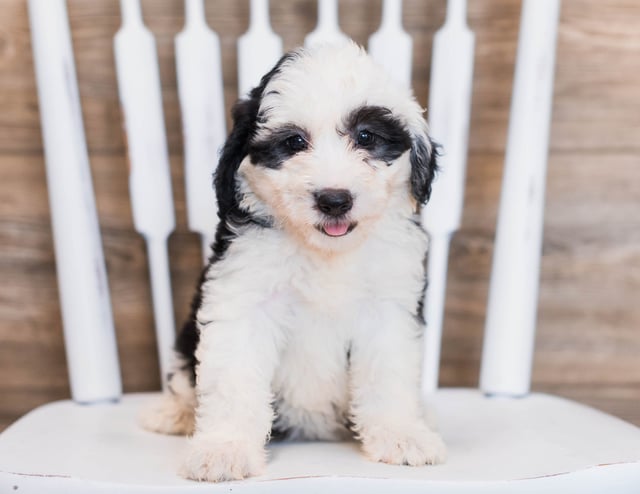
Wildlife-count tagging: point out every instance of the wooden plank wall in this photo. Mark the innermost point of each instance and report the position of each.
(588, 344)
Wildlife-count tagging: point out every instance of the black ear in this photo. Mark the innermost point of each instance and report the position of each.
(245, 118)
(235, 149)
(423, 157)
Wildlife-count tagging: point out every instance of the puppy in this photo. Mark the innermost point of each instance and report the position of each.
(307, 323)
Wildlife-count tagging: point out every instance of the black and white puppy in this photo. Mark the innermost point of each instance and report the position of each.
(307, 322)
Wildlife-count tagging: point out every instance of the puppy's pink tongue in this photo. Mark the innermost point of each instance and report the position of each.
(336, 229)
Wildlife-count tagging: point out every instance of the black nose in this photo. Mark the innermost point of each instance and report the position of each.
(334, 202)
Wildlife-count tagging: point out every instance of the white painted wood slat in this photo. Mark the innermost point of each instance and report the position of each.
(511, 313)
(327, 30)
(258, 49)
(149, 176)
(390, 45)
(200, 88)
(90, 343)
(448, 113)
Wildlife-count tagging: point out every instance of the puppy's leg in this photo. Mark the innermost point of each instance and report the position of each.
(234, 414)
(385, 379)
(174, 411)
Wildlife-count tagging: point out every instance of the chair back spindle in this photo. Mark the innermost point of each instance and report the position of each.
(92, 355)
(448, 113)
(390, 45)
(149, 176)
(258, 49)
(511, 313)
(327, 30)
(200, 89)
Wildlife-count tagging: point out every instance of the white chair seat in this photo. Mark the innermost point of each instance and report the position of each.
(536, 444)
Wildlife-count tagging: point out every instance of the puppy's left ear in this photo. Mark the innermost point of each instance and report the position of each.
(423, 157)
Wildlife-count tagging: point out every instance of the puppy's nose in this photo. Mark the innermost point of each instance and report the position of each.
(334, 202)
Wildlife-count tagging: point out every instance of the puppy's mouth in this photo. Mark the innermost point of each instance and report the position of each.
(336, 228)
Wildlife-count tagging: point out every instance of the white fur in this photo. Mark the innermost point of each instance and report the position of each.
(174, 413)
(323, 328)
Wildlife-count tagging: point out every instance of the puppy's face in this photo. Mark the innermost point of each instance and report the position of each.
(336, 145)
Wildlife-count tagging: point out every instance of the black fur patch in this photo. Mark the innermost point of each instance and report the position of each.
(275, 149)
(278, 434)
(420, 305)
(388, 136)
(189, 336)
(423, 168)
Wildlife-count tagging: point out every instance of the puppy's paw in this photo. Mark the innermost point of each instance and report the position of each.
(168, 415)
(215, 461)
(413, 446)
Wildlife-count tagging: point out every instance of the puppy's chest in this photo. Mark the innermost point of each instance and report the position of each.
(321, 308)
(318, 305)
(310, 384)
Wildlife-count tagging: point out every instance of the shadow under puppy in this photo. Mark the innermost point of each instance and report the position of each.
(308, 319)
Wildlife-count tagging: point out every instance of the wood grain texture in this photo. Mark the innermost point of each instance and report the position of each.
(588, 341)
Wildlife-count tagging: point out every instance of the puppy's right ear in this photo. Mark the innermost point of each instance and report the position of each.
(244, 113)
(236, 148)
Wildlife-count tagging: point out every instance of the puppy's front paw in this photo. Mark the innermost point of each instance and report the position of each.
(214, 460)
(413, 446)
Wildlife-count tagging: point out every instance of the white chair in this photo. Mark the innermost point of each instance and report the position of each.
(501, 438)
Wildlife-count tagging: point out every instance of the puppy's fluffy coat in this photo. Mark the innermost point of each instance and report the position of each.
(307, 322)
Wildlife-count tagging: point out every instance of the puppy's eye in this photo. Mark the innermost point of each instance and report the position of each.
(296, 143)
(365, 138)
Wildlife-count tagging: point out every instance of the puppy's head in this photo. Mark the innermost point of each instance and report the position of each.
(326, 148)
